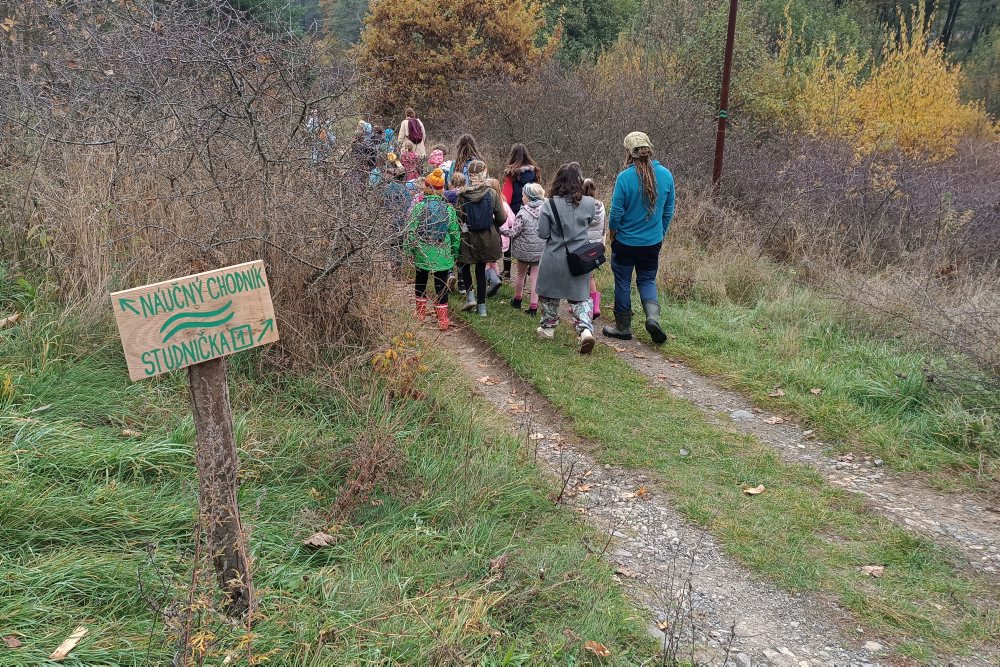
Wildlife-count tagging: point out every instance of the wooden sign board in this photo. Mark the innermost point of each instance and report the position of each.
(185, 321)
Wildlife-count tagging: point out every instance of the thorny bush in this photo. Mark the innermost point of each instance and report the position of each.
(143, 141)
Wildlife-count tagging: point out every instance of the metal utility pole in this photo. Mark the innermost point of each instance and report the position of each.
(727, 68)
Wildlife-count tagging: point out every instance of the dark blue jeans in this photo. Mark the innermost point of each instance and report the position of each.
(644, 261)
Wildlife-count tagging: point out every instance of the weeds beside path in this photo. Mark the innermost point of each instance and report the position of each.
(98, 502)
(802, 532)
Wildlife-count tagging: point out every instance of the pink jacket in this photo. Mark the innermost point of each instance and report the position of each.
(505, 242)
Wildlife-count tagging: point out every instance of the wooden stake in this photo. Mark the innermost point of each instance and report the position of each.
(218, 465)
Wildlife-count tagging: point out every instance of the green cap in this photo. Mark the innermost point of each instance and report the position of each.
(637, 140)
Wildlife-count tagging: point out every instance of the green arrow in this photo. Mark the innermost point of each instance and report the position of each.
(268, 325)
(127, 303)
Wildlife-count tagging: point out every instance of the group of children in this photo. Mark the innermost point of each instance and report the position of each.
(464, 229)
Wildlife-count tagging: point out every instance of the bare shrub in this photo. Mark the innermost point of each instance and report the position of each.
(143, 141)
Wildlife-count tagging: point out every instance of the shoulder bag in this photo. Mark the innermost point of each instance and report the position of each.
(584, 259)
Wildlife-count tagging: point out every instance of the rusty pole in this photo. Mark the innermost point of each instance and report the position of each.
(727, 68)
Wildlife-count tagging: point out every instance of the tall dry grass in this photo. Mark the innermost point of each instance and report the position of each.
(140, 146)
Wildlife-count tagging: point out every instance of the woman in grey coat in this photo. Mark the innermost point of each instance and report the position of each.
(555, 282)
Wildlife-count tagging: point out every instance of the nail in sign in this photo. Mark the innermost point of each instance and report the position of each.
(176, 323)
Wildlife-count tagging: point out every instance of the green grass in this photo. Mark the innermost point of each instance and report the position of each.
(755, 329)
(802, 532)
(95, 527)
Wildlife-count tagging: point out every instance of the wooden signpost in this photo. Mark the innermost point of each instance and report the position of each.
(194, 322)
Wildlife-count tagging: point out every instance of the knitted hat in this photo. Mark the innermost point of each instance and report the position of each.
(534, 191)
(435, 179)
(436, 158)
(636, 140)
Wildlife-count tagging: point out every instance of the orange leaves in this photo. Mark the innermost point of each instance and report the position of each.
(462, 39)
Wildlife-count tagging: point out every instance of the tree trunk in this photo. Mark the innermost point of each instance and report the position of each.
(218, 464)
(949, 22)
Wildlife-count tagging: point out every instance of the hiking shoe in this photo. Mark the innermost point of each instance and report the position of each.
(586, 342)
(546, 333)
(452, 282)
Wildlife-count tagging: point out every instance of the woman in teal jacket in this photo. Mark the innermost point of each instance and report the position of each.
(641, 210)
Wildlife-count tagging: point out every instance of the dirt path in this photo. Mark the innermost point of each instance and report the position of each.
(676, 571)
(961, 520)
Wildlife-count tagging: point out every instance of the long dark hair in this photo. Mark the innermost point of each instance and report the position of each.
(568, 183)
(466, 150)
(642, 158)
(520, 157)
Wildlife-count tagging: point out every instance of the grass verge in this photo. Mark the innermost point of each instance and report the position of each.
(97, 512)
(801, 532)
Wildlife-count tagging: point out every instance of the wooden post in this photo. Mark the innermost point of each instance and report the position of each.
(727, 68)
(218, 465)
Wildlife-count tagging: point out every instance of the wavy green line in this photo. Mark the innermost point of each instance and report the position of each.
(193, 325)
(180, 316)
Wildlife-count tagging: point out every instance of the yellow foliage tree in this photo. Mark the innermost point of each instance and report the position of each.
(911, 98)
(416, 51)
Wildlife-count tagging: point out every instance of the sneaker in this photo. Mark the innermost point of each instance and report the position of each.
(515, 303)
(586, 342)
(481, 309)
(452, 281)
(546, 333)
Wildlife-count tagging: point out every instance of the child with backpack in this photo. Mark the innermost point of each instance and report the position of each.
(595, 234)
(525, 245)
(412, 134)
(481, 213)
(434, 239)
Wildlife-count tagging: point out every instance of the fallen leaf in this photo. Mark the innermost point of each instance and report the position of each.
(617, 348)
(641, 492)
(777, 393)
(874, 571)
(482, 365)
(498, 564)
(488, 381)
(10, 319)
(587, 474)
(623, 571)
(754, 490)
(68, 644)
(584, 488)
(774, 420)
(640, 355)
(12, 642)
(129, 433)
(536, 436)
(661, 378)
(597, 648)
(816, 391)
(320, 540)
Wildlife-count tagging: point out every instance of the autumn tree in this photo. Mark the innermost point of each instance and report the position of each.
(419, 52)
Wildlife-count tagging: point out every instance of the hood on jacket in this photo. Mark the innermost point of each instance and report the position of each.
(534, 208)
(477, 193)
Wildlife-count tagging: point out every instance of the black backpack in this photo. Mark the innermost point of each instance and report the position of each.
(479, 214)
(520, 179)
